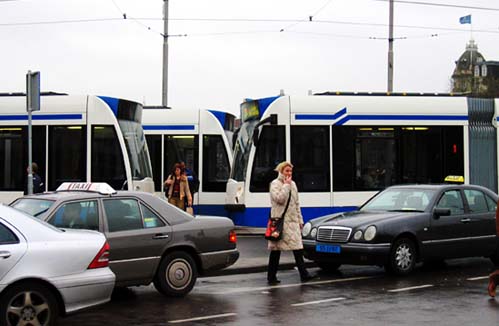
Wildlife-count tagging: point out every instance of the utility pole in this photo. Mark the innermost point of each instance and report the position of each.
(165, 54)
(390, 50)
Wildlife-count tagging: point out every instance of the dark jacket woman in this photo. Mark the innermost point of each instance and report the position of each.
(494, 277)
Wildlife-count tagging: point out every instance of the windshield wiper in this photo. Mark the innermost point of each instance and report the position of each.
(41, 212)
(406, 210)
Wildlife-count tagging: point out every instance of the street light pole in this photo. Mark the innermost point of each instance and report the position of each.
(165, 54)
(390, 50)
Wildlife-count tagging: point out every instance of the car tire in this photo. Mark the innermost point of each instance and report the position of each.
(176, 274)
(328, 267)
(28, 303)
(402, 257)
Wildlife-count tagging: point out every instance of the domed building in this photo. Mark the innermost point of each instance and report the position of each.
(474, 75)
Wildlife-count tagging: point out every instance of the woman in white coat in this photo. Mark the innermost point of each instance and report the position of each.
(280, 191)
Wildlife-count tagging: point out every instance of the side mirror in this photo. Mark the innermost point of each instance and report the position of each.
(437, 212)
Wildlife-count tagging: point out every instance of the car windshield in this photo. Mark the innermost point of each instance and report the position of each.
(400, 199)
(33, 207)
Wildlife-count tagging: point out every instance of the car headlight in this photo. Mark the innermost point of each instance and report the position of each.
(370, 233)
(313, 233)
(306, 229)
(357, 235)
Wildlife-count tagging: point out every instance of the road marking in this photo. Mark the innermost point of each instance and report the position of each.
(266, 288)
(316, 302)
(477, 278)
(411, 288)
(178, 321)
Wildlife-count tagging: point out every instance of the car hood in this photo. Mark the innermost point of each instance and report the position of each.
(358, 218)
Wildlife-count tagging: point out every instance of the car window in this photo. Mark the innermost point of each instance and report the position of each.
(34, 207)
(151, 220)
(6, 235)
(123, 215)
(491, 203)
(452, 199)
(476, 201)
(77, 215)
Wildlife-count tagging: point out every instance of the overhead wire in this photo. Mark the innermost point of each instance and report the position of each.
(422, 3)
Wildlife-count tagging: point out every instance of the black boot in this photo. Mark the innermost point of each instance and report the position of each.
(304, 275)
(274, 257)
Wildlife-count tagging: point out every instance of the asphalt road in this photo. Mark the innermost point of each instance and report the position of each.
(453, 293)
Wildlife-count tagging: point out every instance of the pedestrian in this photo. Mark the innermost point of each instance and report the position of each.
(282, 190)
(38, 185)
(178, 188)
(494, 276)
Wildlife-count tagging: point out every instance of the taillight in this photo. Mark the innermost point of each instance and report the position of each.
(232, 236)
(102, 258)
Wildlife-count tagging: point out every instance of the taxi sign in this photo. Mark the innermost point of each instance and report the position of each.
(100, 187)
(454, 178)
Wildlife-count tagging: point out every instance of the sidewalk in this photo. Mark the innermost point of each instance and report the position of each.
(253, 254)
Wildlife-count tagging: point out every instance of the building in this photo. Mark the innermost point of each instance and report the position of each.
(474, 75)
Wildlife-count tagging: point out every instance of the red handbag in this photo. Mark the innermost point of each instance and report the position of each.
(275, 225)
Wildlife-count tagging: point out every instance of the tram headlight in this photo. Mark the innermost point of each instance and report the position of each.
(306, 229)
(370, 233)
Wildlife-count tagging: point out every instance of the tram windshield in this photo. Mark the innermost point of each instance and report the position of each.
(242, 150)
(130, 120)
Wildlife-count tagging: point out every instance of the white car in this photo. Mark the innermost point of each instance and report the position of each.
(46, 272)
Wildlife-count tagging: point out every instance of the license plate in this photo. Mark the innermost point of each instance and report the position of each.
(328, 248)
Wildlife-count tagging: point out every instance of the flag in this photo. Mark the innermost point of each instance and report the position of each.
(465, 20)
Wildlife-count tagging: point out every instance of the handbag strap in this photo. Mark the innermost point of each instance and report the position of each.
(287, 204)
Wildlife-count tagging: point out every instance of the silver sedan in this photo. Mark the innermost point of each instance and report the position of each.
(46, 272)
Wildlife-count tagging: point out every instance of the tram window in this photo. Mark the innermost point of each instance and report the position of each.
(154, 146)
(179, 148)
(107, 160)
(215, 164)
(310, 156)
(271, 150)
(14, 151)
(373, 157)
(67, 155)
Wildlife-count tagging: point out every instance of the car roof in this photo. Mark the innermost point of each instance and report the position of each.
(175, 216)
(26, 224)
(443, 186)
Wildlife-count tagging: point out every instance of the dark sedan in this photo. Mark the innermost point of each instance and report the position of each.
(403, 225)
(151, 240)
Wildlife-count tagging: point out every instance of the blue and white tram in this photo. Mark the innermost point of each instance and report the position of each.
(80, 138)
(200, 139)
(346, 147)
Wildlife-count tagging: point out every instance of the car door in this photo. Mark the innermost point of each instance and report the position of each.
(481, 226)
(12, 248)
(448, 234)
(137, 237)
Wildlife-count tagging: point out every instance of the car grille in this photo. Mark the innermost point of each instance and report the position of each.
(333, 234)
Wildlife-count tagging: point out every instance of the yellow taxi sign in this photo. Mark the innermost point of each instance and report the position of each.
(454, 178)
(100, 187)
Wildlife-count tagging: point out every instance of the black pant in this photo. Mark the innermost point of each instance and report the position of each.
(274, 257)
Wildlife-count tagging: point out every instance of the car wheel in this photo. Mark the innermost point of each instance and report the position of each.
(176, 275)
(28, 304)
(402, 257)
(328, 267)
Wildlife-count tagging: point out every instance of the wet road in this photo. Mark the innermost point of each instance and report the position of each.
(453, 293)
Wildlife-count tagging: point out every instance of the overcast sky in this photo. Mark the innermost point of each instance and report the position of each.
(222, 51)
